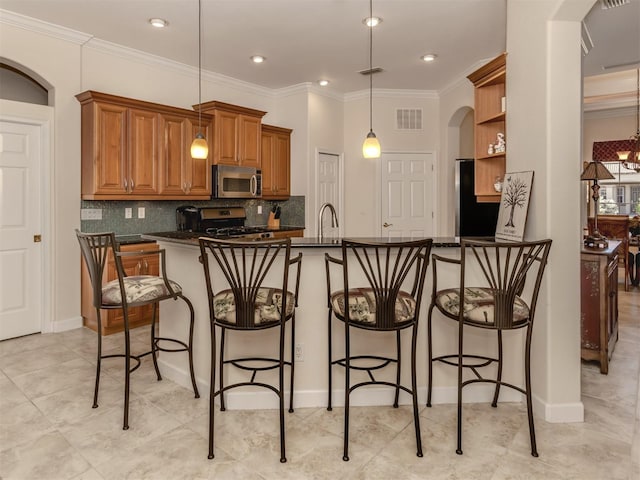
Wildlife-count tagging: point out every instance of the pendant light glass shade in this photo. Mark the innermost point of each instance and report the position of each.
(199, 147)
(371, 145)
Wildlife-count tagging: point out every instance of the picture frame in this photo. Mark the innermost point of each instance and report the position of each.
(514, 206)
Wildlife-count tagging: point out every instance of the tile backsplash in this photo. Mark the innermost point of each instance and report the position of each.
(160, 215)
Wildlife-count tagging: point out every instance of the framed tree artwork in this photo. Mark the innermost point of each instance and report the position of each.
(514, 204)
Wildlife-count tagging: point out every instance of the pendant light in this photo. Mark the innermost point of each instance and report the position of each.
(199, 147)
(371, 145)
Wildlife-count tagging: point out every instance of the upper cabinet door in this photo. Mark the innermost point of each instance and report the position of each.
(198, 171)
(226, 141)
(143, 152)
(250, 141)
(106, 157)
(173, 150)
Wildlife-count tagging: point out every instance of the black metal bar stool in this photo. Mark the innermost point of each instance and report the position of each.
(247, 303)
(505, 300)
(382, 292)
(127, 292)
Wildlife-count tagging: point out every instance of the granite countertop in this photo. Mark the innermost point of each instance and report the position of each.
(304, 242)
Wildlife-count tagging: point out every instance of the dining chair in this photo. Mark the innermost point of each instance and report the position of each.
(127, 292)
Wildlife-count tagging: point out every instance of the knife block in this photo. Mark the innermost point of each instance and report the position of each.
(272, 221)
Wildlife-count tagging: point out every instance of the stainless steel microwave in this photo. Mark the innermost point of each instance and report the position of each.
(236, 182)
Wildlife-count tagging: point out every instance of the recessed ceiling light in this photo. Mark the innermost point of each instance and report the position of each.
(429, 57)
(323, 83)
(258, 58)
(158, 22)
(372, 21)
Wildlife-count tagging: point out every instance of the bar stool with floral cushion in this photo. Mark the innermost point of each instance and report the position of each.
(504, 300)
(127, 292)
(250, 291)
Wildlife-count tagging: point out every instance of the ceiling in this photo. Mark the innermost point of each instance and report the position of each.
(306, 40)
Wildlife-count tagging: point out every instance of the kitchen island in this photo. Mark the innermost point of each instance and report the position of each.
(311, 365)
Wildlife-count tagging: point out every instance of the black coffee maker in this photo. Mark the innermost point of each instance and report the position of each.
(187, 218)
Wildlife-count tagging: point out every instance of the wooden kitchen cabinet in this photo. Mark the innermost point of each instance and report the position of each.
(181, 174)
(599, 303)
(276, 162)
(236, 135)
(135, 150)
(288, 233)
(489, 84)
(113, 320)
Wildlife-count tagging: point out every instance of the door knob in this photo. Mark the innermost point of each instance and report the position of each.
(385, 224)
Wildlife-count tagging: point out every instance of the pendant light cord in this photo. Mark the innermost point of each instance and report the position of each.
(371, 66)
(199, 66)
(637, 103)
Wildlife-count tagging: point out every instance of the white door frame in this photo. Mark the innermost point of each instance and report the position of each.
(434, 190)
(316, 199)
(43, 117)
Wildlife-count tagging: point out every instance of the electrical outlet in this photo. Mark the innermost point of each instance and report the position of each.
(141, 212)
(91, 214)
(259, 209)
(128, 212)
(299, 352)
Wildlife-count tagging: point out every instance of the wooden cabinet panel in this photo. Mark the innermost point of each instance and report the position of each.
(276, 162)
(490, 119)
(135, 150)
(237, 133)
(107, 156)
(113, 320)
(250, 141)
(288, 234)
(599, 303)
(142, 178)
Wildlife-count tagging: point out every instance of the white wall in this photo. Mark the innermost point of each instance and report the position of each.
(362, 194)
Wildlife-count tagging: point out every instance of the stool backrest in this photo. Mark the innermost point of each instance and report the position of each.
(388, 269)
(95, 248)
(245, 266)
(505, 267)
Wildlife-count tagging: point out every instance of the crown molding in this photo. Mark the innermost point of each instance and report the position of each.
(610, 112)
(44, 28)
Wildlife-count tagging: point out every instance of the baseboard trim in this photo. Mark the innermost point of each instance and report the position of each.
(66, 324)
(559, 412)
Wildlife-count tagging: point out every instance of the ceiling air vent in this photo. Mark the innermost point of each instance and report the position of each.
(607, 4)
(409, 119)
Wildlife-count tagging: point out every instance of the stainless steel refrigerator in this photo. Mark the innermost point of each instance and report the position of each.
(473, 219)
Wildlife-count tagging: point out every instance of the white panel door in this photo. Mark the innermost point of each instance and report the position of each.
(329, 190)
(20, 222)
(407, 195)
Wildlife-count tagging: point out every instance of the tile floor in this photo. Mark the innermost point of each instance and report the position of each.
(48, 429)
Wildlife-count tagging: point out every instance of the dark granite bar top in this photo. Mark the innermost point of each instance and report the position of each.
(306, 242)
(131, 239)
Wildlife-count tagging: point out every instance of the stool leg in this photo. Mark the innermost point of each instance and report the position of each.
(212, 383)
(637, 282)
(283, 457)
(347, 380)
(527, 372)
(414, 388)
(293, 360)
(223, 335)
(98, 359)
(330, 365)
(154, 349)
(398, 356)
(460, 354)
(429, 357)
(190, 348)
(494, 404)
(127, 369)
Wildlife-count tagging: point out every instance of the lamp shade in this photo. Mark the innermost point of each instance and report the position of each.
(596, 171)
(199, 147)
(371, 146)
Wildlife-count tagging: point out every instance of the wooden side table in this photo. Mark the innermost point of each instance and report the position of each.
(599, 303)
